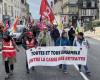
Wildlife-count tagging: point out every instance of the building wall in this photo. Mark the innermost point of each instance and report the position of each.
(17, 9)
(88, 10)
(12, 8)
(99, 9)
(24, 9)
(57, 7)
(0, 11)
(70, 6)
(65, 8)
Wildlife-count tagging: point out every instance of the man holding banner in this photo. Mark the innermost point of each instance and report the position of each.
(81, 42)
(63, 41)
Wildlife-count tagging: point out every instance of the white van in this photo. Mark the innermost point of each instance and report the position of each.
(16, 35)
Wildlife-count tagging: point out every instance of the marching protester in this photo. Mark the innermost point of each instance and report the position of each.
(80, 42)
(24, 37)
(54, 33)
(9, 54)
(71, 34)
(30, 43)
(44, 38)
(63, 41)
(1, 31)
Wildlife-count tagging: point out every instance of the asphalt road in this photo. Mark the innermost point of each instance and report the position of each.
(94, 59)
(53, 73)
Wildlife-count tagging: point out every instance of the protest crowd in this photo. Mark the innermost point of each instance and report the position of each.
(41, 34)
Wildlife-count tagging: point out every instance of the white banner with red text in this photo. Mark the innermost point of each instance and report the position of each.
(55, 55)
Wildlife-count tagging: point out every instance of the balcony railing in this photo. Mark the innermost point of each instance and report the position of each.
(70, 4)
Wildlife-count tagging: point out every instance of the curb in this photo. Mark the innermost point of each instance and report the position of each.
(93, 37)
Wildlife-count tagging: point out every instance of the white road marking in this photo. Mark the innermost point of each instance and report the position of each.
(82, 74)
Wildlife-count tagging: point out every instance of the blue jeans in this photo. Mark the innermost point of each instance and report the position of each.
(63, 66)
(71, 42)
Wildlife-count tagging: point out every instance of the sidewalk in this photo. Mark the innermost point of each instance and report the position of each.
(93, 35)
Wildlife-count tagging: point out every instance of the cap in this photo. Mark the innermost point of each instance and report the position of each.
(30, 33)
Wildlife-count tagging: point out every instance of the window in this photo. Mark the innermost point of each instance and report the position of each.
(0, 0)
(93, 4)
(5, 8)
(51, 4)
(84, 12)
(12, 11)
(55, 1)
(72, 1)
(89, 4)
(9, 8)
(12, 1)
(84, 4)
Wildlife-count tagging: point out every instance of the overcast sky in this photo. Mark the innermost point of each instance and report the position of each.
(35, 7)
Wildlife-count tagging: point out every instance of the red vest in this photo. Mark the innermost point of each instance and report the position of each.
(30, 44)
(8, 50)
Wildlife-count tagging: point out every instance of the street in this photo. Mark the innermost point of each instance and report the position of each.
(53, 73)
(94, 58)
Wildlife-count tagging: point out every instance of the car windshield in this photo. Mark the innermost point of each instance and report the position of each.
(19, 30)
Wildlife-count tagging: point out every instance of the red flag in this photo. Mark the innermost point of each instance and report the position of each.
(46, 11)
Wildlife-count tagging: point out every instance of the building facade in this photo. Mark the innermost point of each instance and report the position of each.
(57, 9)
(1, 7)
(88, 10)
(10, 9)
(67, 9)
(84, 10)
(24, 8)
(70, 8)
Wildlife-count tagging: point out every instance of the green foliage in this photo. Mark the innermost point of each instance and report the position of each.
(88, 26)
(91, 25)
(96, 23)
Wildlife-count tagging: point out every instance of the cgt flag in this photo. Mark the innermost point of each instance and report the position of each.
(46, 11)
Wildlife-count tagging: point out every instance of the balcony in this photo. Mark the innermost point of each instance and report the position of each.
(84, 4)
(70, 3)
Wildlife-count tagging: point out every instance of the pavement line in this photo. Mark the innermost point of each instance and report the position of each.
(82, 74)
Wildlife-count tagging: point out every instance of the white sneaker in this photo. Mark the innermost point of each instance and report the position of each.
(11, 73)
(7, 76)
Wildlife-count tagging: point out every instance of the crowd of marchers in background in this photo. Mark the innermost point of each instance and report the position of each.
(41, 34)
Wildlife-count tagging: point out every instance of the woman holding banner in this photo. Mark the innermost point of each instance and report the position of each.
(63, 41)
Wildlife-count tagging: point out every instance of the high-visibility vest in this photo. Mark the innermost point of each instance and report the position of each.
(30, 44)
(8, 50)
